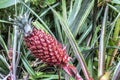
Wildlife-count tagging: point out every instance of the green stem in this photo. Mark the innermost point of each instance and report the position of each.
(14, 53)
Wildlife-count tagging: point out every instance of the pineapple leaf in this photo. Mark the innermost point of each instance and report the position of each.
(3, 59)
(2, 43)
(73, 12)
(116, 74)
(81, 17)
(27, 66)
(7, 3)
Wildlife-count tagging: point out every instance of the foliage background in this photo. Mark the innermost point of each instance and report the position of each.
(90, 30)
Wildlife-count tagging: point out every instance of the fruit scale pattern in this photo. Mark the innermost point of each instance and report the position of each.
(46, 48)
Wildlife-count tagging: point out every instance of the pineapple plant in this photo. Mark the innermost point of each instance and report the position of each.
(90, 28)
(45, 47)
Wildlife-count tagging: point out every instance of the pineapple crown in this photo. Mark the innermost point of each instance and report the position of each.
(24, 23)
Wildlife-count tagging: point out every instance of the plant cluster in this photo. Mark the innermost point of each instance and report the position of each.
(88, 31)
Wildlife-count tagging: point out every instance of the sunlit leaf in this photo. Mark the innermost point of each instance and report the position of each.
(7, 3)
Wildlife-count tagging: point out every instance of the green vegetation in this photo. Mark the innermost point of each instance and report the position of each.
(90, 30)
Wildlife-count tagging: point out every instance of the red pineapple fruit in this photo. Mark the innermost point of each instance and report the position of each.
(45, 47)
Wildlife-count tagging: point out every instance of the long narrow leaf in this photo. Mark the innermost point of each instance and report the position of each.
(2, 43)
(85, 34)
(116, 74)
(74, 12)
(27, 66)
(81, 17)
(7, 3)
(64, 9)
(101, 62)
(3, 59)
